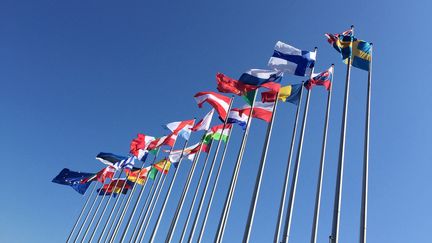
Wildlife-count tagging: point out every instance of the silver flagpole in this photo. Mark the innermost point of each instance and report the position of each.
(195, 194)
(112, 210)
(334, 238)
(365, 181)
(230, 193)
(167, 195)
(255, 195)
(82, 212)
(321, 168)
(149, 197)
(88, 213)
(296, 172)
(180, 204)
(213, 191)
(201, 203)
(138, 199)
(293, 188)
(287, 172)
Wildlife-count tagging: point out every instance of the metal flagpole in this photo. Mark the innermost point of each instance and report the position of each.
(296, 172)
(88, 213)
(365, 181)
(213, 191)
(144, 209)
(334, 238)
(201, 203)
(180, 204)
(112, 210)
(167, 195)
(287, 172)
(138, 199)
(255, 195)
(321, 168)
(195, 194)
(82, 212)
(230, 193)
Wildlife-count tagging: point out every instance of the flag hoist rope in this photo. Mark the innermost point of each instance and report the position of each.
(234, 177)
(314, 232)
(334, 237)
(288, 219)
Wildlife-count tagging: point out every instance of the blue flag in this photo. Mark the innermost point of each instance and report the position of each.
(73, 179)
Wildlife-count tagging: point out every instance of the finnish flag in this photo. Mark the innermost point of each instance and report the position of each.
(289, 59)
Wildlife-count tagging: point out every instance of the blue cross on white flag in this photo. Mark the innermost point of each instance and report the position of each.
(291, 60)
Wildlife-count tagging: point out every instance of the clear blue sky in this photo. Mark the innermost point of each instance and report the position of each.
(80, 77)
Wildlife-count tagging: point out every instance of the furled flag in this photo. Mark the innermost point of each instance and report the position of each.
(139, 145)
(138, 175)
(291, 60)
(342, 43)
(219, 102)
(361, 54)
(115, 186)
(116, 161)
(152, 173)
(235, 117)
(218, 132)
(163, 166)
(261, 110)
(323, 79)
(181, 128)
(259, 77)
(73, 179)
(289, 93)
(204, 124)
(101, 176)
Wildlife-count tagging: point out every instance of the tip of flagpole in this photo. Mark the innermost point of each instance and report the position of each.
(316, 48)
(371, 43)
(332, 64)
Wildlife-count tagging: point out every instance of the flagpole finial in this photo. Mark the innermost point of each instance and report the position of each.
(333, 64)
(371, 43)
(352, 26)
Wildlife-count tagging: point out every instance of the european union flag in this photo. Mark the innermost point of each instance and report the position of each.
(73, 179)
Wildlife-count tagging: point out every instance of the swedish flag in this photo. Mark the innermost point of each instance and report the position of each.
(361, 54)
(342, 43)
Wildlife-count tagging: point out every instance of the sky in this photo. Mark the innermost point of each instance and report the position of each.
(82, 77)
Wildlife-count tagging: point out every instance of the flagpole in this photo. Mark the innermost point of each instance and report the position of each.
(365, 180)
(198, 212)
(81, 213)
(167, 195)
(321, 168)
(287, 172)
(112, 209)
(213, 191)
(138, 199)
(195, 194)
(334, 238)
(230, 193)
(88, 213)
(186, 187)
(258, 180)
(144, 209)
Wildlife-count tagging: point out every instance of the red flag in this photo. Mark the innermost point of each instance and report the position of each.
(261, 111)
(226, 84)
(219, 102)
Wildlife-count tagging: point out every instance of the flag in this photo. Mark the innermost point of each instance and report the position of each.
(260, 76)
(226, 84)
(162, 166)
(361, 54)
(323, 79)
(289, 93)
(101, 176)
(188, 153)
(218, 132)
(181, 128)
(115, 186)
(249, 97)
(342, 43)
(235, 117)
(291, 60)
(204, 124)
(138, 175)
(152, 173)
(219, 102)
(261, 110)
(110, 159)
(73, 179)
(139, 145)
(127, 164)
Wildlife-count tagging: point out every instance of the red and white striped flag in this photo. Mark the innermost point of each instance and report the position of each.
(219, 102)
